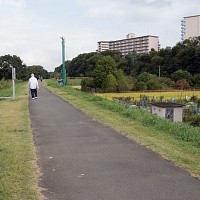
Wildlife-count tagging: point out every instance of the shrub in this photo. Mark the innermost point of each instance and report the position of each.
(182, 84)
(110, 84)
(87, 84)
(193, 120)
(4, 84)
(140, 85)
(122, 81)
(166, 83)
(153, 85)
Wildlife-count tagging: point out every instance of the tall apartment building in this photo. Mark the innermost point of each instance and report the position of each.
(140, 44)
(190, 27)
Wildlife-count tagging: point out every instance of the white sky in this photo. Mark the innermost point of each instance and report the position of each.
(31, 29)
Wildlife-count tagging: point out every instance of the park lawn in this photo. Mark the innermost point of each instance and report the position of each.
(182, 153)
(18, 169)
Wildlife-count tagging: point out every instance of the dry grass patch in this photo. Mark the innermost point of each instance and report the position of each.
(167, 95)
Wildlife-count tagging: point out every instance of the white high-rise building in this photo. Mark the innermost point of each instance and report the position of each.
(103, 45)
(190, 27)
(140, 44)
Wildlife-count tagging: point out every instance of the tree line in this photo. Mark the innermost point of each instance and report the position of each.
(177, 67)
(23, 71)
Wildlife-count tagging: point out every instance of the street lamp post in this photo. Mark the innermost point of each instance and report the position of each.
(63, 72)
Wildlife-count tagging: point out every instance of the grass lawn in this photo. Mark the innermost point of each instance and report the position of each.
(181, 152)
(18, 169)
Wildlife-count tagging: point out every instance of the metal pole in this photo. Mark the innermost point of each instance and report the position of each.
(159, 71)
(64, 79)
(13, 82)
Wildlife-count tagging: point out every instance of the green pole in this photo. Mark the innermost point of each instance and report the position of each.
(64, 79)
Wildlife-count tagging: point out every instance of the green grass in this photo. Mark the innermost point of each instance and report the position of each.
(18, 180)
(176, 142)
(5, 88)
(74, 81)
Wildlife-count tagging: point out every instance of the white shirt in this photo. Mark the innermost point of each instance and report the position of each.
(33, 83)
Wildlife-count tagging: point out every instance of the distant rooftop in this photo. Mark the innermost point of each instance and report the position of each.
(192, 16)
(168, 105)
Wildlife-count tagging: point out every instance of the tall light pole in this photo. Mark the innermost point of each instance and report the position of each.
(63, 72)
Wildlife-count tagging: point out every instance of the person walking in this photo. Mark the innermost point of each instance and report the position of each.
(33, 85)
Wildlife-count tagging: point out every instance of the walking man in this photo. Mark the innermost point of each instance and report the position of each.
(33, 85)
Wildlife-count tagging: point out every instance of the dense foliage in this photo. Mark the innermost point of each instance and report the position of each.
(165, 67)
(22, 71)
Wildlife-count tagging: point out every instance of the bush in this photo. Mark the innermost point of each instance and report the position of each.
(182, 84)
(197, 80)
(166, 83)
(180, 75)
(122, 81)
(153, 85)
(87, 84)
(143, 77)
(4, 84)
(110, 84)
(193, 120)
(140, 85)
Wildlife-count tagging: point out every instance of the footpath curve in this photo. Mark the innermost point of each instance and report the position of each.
(82, 159)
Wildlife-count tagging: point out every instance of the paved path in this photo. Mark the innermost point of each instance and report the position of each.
(82, 159)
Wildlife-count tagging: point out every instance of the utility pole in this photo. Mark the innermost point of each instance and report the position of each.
(159, 71)
(63, 71)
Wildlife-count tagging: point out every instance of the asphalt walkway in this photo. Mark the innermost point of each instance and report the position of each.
(82, 159)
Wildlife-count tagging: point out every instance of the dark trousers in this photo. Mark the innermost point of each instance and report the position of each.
(34, 93)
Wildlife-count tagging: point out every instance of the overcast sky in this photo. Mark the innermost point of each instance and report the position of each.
(31, 29)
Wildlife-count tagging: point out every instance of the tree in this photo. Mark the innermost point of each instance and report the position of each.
(187, 55)
(144, 77)
(122, 81)
(156, 61)
(123, 65)
(167, 61)
(116, 55)
(57, 70)
(140, 85)
(182, 74)
(104, 66)
(5, 67)
(143, 63)
(38, 71)
(153, 84)
(87, 84)
(132, 63)
(197, 80)
(110, 84)
(166, 83)
(78, 65)
(91, 62)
